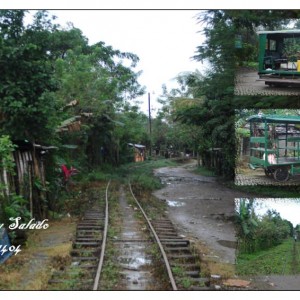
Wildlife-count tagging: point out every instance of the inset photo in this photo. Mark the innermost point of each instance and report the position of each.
(268, 235)
(268, 143)
(270, 63)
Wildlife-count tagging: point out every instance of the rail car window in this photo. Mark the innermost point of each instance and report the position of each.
(272, 45)
(291, 48)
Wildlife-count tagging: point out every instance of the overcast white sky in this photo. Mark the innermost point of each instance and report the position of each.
(288, 208)
(164, 40)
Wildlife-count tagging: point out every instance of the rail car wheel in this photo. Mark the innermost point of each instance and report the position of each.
(269, 172)
(281, 174)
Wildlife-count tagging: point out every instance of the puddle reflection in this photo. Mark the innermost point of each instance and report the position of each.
(175, 203)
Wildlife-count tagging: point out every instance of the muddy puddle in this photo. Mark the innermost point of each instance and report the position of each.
(175, 203)
(168, 180)
(134, 264)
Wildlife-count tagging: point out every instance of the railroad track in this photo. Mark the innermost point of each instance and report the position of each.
(87, 252)
(181, 265)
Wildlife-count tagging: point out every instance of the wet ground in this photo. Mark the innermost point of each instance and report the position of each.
(247, 84)
(31, 268)
(134, 258)
(275, 283)
(199, 206)
(202, 208)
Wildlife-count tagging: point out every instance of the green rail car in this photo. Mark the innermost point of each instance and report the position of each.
(275, 145)
(279, 57)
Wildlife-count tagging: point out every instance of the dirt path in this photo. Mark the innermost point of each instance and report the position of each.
(276, 282)
(30, 270)
(202, 208)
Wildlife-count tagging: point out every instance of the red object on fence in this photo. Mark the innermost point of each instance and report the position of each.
(68, 173)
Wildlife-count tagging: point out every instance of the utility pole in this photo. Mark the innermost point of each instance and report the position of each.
(150, 129)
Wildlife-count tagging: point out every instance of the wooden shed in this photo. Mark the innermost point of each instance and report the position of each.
(139, 152)
(28, 179)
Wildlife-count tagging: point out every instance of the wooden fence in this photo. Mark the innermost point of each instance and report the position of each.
(28, 179)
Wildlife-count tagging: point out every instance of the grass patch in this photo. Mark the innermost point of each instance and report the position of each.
(204, 171)
(141, 174)
(209, 265)
(158, 268)
(97, 176)
(251, 64)
(152, 206)
(277, 260)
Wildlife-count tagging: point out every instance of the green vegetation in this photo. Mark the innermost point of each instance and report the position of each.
(159, 269)
(257, 233)
(11, 204)
(265, 243)
(277, 260)
(181, 277)
(71, 282)
(141, 174)
(81, 99)
(291, 49)
(77, 97)
(204, 171)
(58, 90)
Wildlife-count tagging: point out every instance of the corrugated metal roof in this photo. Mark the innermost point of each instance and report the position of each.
(275, 119)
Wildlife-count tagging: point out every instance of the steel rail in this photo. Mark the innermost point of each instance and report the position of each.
(101, 259)
(170, 274)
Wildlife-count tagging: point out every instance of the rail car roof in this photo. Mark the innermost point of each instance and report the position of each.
(275, 119)
(287, 31)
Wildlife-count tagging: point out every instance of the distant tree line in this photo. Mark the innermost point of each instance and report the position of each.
(255, 233)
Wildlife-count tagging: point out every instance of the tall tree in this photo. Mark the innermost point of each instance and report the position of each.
(180, 133)
(26, 81)
(96, 76)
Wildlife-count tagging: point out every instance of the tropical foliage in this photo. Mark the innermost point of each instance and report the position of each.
(57, 90)
(256, 233)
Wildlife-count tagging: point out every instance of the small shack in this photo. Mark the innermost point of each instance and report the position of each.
(28, 179)
(139, 152)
